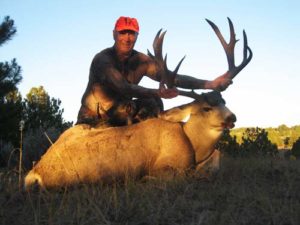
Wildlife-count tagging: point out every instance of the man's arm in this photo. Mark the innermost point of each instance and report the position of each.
(155, 72)
(117, 82)
(188, 82)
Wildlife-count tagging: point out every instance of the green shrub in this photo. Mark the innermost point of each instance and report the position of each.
(296, 149)
(255, 142)
(228, 144)
(8, 155)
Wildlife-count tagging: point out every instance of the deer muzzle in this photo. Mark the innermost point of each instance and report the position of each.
(229, 121)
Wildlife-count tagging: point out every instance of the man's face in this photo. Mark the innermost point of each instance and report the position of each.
(125, 40)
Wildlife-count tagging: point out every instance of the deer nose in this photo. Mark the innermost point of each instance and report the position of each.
(231, 118)
(229, 121)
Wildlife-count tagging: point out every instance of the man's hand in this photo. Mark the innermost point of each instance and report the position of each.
(220, 83)
(164, 92)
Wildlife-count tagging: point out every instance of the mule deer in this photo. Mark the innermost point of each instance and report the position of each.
(83, 154)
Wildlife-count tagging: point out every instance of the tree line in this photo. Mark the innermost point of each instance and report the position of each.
(283, 136)
(255, 142)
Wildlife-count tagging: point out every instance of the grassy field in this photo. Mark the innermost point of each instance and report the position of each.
(245, 191)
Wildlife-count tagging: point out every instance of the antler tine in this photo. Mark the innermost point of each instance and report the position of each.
(167, 77)
(231, 45)
(157, 46)
(229, 48)
(178, 65)
(171, 76)
(158, 43)
(150, 54)
(246, 50)
(218, 33)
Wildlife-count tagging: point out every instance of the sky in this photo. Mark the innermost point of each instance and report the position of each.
(56, 41)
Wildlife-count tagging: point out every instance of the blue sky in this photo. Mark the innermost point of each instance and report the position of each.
(56, 41)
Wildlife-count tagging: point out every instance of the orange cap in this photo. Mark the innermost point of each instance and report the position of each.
(127, 23)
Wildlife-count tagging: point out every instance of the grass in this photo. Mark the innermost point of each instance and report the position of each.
(246, 191)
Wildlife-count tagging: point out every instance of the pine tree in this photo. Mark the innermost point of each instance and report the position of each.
(41, 111)
(7, 30)
(10, 77)
(42, 115)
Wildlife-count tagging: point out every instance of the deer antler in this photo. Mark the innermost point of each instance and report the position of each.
(229, 49)
(168, 77)
(157, 46)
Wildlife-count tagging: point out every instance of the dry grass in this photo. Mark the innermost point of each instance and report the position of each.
(246, 191)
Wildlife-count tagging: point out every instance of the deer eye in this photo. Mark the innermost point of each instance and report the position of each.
(207, 109)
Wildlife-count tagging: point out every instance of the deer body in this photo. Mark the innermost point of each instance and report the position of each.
(87, 155)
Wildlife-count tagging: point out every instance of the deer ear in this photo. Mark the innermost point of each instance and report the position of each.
(197, 105)
(177, 114)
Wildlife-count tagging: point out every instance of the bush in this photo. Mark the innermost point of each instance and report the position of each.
(255, 142)
(228, 144)
(9, 156)
(36, 143)
(296, 149)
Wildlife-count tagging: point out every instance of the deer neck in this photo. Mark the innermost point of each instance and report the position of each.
(202, 137)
